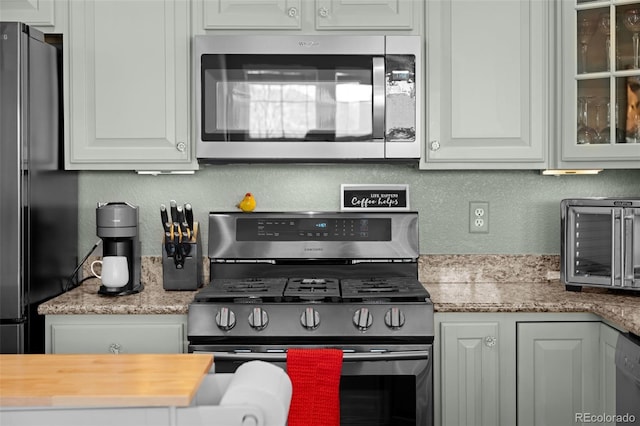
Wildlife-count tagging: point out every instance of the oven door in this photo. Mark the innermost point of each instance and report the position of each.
(378, 387)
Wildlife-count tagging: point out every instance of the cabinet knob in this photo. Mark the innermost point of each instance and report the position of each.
(181, 146)
(434, 145)
(292, 12)
(490, 341)
(114, 348)
(323, 12)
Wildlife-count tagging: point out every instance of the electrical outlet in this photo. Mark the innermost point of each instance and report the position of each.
(479, 217)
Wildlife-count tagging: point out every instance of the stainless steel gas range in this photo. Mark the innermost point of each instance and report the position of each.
(323, 280)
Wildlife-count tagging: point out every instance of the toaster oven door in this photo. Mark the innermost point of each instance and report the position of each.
(602, 246)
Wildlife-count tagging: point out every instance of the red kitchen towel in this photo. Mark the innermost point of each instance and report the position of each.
(315, 376)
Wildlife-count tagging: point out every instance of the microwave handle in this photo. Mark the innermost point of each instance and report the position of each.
(379, 97)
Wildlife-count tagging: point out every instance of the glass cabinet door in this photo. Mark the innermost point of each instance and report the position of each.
(602, 39)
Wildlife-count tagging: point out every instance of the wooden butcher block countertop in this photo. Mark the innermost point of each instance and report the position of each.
(122, 380)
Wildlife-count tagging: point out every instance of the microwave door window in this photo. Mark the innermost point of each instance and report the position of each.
(287, 98)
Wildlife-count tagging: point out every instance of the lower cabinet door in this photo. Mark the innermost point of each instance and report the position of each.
(470, 372)
(115, 334)
(558, 368)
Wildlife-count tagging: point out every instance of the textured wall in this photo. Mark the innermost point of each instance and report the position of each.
(524, 216)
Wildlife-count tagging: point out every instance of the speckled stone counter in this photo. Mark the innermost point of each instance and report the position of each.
(457, 283)
(153, 299)
(487, 283)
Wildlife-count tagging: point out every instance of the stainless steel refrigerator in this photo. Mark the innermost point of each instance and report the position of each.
(38, 198)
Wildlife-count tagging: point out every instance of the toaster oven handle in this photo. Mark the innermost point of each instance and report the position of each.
(347, 356)
(628, 249)
(379, 97)
(613, 247)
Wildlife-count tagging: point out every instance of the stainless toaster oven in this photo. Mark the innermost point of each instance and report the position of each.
(600, 244)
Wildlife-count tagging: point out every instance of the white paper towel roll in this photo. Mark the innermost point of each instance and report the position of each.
(264, 385)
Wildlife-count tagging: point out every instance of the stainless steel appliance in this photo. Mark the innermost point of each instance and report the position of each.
(117, 225)
(600, 243)
(323, 280)
(627, 360)
(38, 199)
(307, 98)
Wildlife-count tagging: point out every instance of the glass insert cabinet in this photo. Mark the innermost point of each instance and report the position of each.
(601, 71)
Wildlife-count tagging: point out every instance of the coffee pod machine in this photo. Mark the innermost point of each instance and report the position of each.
(117, 226)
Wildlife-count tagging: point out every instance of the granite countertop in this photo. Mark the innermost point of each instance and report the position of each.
(153, 299)
(458, 283)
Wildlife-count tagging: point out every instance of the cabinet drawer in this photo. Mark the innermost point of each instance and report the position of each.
(117, 338)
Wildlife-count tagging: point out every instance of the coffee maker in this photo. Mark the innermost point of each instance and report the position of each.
(117, 226)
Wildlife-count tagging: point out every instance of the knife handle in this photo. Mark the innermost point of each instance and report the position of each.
(174, 210)
(164, 216)
(188, 213)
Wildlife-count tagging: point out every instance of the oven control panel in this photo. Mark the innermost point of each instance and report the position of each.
(313, 229)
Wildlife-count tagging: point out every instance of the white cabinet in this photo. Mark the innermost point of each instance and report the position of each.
(250, 14)
(488, 76)
(473, 357)
(599, 82)
(115, 334)
(308, 15)
(41, 14)
(522, 368)
(557, 372)
(129, 86)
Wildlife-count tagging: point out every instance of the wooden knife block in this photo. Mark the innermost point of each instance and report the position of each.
(190, 275)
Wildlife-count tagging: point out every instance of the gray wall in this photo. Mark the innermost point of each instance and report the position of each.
(524, 216)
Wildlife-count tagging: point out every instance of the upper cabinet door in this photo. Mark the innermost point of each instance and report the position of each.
(129, 85)
(365, 14)
(488, 72)
(600, 82)
(38, 13)
(251, 14)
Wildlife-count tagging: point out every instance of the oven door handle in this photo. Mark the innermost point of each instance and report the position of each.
(347, 356)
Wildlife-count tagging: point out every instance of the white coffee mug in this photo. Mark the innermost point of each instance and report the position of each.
(115, 271)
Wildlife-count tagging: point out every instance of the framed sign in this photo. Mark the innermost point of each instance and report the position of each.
(355, 197)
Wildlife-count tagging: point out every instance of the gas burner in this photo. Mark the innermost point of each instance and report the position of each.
(243, 290)
(313, 289)
(396, 288)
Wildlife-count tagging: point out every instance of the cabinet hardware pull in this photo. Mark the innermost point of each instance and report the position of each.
(181, 146)
(434, 145)
(323, 12)
(114, 348)
(490, 341)
(292, 12)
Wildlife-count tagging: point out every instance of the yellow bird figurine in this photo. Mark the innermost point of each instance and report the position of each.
(248, 203)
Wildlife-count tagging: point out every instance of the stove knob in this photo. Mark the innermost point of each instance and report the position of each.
(363, 319)
(225, 319)
(258, 319)
(310, 319)
(394, 318)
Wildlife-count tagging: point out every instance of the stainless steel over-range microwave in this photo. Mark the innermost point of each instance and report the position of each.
(307, 98)
(600, 244)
